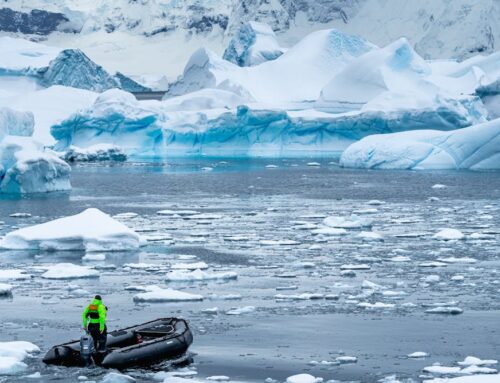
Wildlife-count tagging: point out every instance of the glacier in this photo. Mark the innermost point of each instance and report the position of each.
(476, 148)
(252, 44)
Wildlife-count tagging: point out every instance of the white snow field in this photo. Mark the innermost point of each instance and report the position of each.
(91, 230)
(476, 147)
(12, 355)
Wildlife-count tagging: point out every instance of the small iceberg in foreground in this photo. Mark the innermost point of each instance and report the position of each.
(75, 233)
(12, 355)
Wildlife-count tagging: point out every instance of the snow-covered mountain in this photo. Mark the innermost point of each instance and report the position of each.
(120, 34)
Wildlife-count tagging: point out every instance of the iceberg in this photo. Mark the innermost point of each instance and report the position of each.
(154, 129)
(75, 233)
(116, 118)
(395, 68)
(27, 167)
(476, 147)
(253, 43)
(297, 75)
(69, 271)
(158, 294)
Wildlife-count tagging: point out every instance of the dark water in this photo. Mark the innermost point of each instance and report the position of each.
(279, 338)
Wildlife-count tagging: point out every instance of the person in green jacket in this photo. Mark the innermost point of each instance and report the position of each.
(94, 321)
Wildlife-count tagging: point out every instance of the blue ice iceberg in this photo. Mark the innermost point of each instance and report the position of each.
(252, 44)
(116, 118)
(176, 127)
(476, 147)
(26, 167)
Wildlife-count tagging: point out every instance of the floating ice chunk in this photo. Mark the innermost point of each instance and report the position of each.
(467, 260)
(400, 258)
(370, 236)
(252, 44)
(348, 273)
(478, 236)
(303, 378)
(158, 294)
(141, 266)
(199, 275)
(329, 231)
(114, 377)
(91, 230)
(5, 289)
(211, 311)
(299, 297)
(432, 264)
(371, 286)
(95, 153)
(366, 211)
(473, 361)
(355, 267)
(352, 222)
(177, 212)
(69, 271)
(432, 279)
(20, 215)
(27, 167)
(240, 310)
(94, 257)
(418, 355)
(128, 215)
(12, 355)
(190, 266)
(346, 359)
(457, 278)
(278, 242)
(219, 378)
(449, 235)
(445, 310)
(439, 186)
(467, 379)
(442, 370)
(375, 202)
(225, 297)
(376, 305)
(313, 164)
(13, 274)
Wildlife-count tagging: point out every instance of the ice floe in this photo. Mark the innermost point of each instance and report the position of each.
(12, 355)
(69, 271)
(158, 294)
(75, 233)
(199, 275)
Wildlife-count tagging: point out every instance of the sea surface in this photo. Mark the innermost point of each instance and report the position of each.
(261, 225)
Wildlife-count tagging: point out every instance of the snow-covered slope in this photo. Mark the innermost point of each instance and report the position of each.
(119, 33)
(476, 147)
(297, 75)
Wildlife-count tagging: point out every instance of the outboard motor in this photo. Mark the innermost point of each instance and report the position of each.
(86, 349)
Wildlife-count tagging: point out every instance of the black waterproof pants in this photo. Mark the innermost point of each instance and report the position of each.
(99, 338)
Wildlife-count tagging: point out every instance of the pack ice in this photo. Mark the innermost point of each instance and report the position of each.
(75, 233)
(476, 147)
(25, 165)
(12, 355)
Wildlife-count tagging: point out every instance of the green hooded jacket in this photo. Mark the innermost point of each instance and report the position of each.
(95, 312)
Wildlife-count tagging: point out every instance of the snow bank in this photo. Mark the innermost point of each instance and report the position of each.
(476, 147)
(69, 271)
(91, 230)
(252, 44)
(12, 355)
(158, 294)
(26, 167)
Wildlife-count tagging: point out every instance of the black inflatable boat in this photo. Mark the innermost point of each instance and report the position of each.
(145, 344)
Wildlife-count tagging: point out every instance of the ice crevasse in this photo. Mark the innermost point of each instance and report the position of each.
(476, 147)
